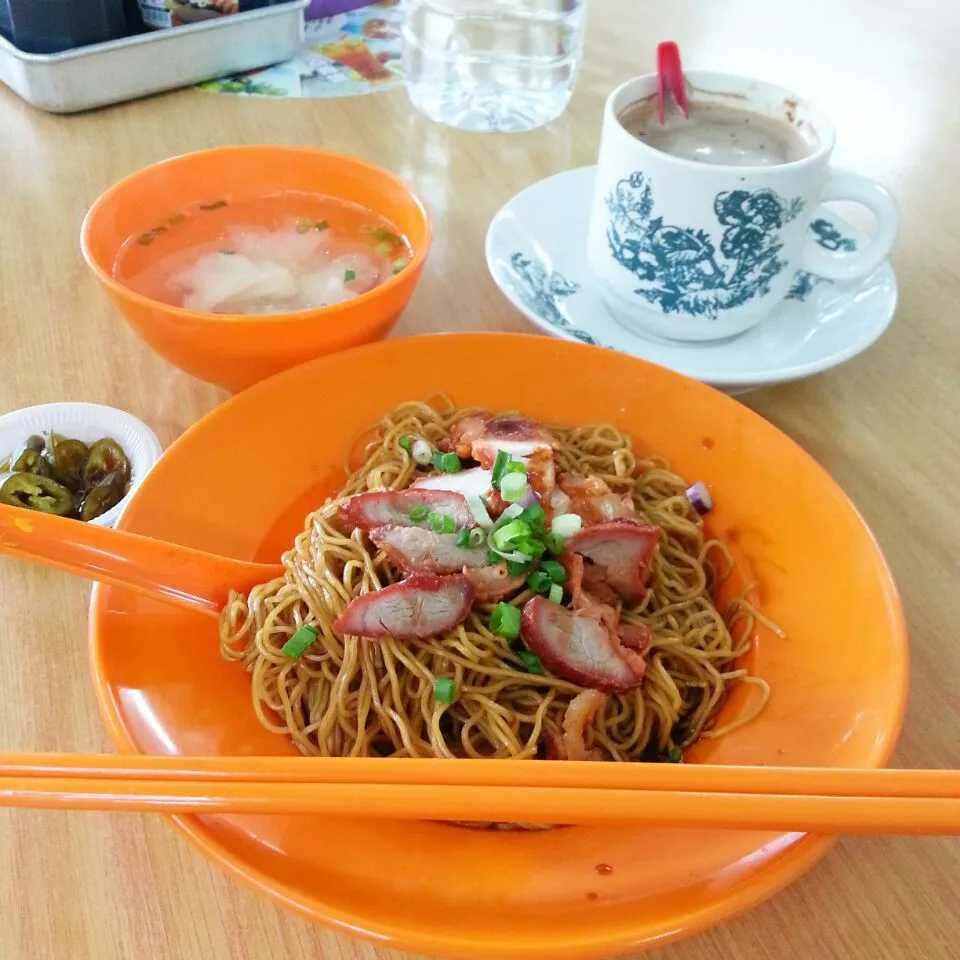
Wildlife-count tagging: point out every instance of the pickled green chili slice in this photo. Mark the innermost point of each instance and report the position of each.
(67, 461)
(30, 460)
(37, 493)
(106, 494)
(106, 457)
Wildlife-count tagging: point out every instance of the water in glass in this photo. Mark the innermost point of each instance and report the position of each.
(492, 65)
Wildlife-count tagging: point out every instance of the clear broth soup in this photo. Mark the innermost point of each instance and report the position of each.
(279, 253)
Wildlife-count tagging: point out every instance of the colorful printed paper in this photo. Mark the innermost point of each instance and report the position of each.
(343, 56)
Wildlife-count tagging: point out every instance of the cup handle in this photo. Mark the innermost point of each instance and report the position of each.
(852, 266)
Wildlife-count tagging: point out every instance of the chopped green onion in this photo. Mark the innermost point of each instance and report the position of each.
(513, 512)
(566, 525)
(494, 557)
(463, 537)
(531, 547)
(321, 225)
(675, 755)
(444, 690)
(399, 264)
(441, 522)
(406, 443)
(300, 642)
(506, 536)
(476, 537)
(419, 513)
(513, 486)
(499, 465)
(421, 452)
(387, 236)
(554, 544)
(531, 662)
(447, 462)
(556, 593)
(554, 570)
(539, 582)
(515, 568)
(505, 621)
(532, 514)
(515, 466)
(349, 275)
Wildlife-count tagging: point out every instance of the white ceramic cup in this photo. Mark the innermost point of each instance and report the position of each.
(695, 251)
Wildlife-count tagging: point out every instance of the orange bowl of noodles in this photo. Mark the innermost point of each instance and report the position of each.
(239, 262)
(825, 638)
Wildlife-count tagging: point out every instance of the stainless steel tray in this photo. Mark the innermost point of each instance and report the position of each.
(104, 73)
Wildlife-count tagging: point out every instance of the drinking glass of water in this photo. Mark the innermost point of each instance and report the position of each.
(492, 65)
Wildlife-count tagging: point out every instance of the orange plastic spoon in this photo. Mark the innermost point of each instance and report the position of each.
(167, 571)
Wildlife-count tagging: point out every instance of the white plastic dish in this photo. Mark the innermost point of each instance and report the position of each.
(87, 422)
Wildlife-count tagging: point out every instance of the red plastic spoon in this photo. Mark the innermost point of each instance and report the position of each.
(670, 81)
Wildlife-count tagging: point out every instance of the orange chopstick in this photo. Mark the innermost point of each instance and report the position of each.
(762, 798)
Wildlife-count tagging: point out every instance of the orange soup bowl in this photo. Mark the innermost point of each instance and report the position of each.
(838, 678)
(237, 351)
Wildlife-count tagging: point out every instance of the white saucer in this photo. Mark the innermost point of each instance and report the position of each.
(535, 251)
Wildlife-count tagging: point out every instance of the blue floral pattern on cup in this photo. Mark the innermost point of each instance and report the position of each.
(830, 238)
(542, 290)
(680, 269)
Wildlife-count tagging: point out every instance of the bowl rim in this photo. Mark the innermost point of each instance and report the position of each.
(107, 279)
(603, 940)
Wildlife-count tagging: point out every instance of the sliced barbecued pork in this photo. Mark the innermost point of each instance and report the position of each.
(366, 511)
(618, 555)
(423, 551)
(479, 437)
(421, 606)
(580, 647)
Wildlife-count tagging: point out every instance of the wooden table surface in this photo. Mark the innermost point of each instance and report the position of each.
(886, 426)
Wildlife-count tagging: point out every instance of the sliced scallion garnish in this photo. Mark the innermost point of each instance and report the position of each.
(503, 538)
(539, 582)
(499, 465)
(441, 522)
(505, 621)
(554, 544)
(476, 537)
(446, 462)
(531, 662)
(566, 525)
(444, 690)
(554, 570)
(300, 642)
(513, 486)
